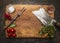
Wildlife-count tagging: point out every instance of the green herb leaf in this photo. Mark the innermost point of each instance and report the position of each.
(12, 25)
(50, 29)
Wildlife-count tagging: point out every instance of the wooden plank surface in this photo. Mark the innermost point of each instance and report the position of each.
(27, 24)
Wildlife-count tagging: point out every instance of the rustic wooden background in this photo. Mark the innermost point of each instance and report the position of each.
(3, 39)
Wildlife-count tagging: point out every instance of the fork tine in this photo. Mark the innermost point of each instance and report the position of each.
(20, 12)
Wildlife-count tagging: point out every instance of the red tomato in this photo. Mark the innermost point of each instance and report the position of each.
(13, 35)
(7, 16)
(9, 35)
(11, 30)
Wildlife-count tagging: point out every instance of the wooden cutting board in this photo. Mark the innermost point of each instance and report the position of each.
(27, 24)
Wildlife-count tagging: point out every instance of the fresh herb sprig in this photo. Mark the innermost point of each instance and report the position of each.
(50, 29)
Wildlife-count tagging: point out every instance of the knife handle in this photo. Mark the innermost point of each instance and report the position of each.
(57, 25)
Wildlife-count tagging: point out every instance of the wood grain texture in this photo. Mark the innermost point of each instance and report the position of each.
(27, 24)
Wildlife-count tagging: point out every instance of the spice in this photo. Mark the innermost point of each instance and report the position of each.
(11, 9)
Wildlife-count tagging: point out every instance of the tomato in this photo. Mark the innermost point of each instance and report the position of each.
(7, 16)
(13, 35)
(11, 30)
(9, 35)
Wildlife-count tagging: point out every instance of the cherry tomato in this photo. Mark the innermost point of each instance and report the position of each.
(11, 30)
(7, 16)
(9, 35)
(13, 35)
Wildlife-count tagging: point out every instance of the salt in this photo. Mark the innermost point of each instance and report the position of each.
(11, 9)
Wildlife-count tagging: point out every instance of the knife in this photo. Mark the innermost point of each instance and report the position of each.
(44, 17)
(18, 15)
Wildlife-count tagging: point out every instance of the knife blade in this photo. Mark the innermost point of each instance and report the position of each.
(43, 16)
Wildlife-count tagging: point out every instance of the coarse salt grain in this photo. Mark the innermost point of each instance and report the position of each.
(11, 9)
